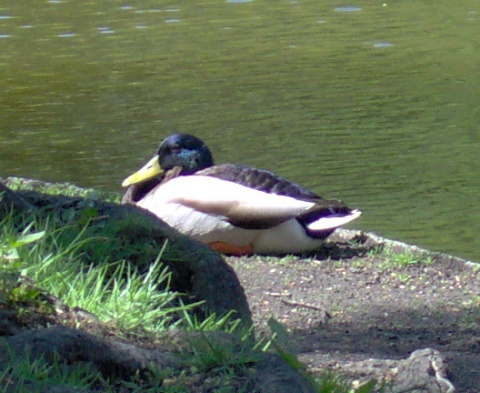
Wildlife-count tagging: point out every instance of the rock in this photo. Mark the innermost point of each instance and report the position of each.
(74, 347)
(123, 362)
(131, 233)
(423, 371)
(10, 200)
(116, 361)
(275, 376)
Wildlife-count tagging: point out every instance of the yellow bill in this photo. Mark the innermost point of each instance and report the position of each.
(148, 171)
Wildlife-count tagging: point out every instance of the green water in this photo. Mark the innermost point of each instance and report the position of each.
(378, 107)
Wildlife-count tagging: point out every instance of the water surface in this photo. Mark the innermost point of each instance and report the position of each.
(378, 107)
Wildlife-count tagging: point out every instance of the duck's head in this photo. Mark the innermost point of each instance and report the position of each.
(184, 152)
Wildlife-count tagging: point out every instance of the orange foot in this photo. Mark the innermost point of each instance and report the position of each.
(225, 248)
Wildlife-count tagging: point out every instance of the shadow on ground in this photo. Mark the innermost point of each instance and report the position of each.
(355, 308)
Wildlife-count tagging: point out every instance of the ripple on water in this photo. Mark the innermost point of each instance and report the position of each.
(382, 44)
(66, 35)
(5, 35)
(348, 9)
(239, 1)
(172, 20)
(105, 30)
(6, 17)
(471, 15)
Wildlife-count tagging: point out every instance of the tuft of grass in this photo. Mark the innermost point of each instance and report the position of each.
(115, 291)
(10, 262)
(19, 375)
(376, 251)
(405, 258)
(389, 258)
(212, 322)
(222, 355)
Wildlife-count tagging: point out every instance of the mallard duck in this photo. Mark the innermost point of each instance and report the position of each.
(234, 208)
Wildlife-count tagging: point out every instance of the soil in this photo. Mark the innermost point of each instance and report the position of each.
(356, 306)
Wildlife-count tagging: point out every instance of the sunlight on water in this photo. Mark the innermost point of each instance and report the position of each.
(66, 35)
(105, 30)
(382, 44)
(348, 9)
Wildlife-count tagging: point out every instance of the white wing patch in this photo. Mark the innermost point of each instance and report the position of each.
(333, 221)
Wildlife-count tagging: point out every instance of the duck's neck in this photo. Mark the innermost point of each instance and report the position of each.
(138, 191)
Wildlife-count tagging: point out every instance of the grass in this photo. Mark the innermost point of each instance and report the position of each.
(35, 376)
(22, 375)
(388, 258)
(114, 291)
(117, 293)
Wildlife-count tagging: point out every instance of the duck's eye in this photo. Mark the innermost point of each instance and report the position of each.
(175, 149)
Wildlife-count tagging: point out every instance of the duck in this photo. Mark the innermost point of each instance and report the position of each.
(234, 208)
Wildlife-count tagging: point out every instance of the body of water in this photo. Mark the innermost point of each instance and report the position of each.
(374, 103)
